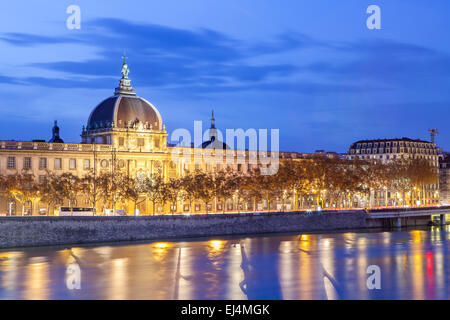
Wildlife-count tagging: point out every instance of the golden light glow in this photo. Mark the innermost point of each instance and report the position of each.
(304, 237)
(216, 245)
(417, 274)
(160, 250)
(161, 245)
(416, 236)
(5, 256)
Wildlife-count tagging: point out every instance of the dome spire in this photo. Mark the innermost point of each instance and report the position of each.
(213, 120)
(125, 83)
(125, 69)
(55, 134)
(213, 130)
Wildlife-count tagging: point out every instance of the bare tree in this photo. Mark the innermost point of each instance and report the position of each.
(69, 187)
(171, 192)
(90, 188)
(132, 189)
(153, 189)
(188, 189)
(203, 182)
(49, 191)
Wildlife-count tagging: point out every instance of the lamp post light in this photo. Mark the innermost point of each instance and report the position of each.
(94, 202)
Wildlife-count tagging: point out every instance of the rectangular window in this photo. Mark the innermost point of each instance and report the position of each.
(72, 164)
(58, 163)
(42, 179)
(42, 163)
(140, 142)
(87, 164)
(121, 141)
(11, 162)
(156, 142)
(27, 163)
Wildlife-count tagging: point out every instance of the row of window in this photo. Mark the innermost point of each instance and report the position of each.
(58, 163)
(395, 143)
(107, 140)
(140, 142)
(433, 161)
(393, 150)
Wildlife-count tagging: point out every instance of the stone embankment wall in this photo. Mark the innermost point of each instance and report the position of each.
(44, 231)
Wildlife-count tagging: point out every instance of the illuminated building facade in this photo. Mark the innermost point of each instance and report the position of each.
(386, 150)
(444, 179)
(125, 132)
(392, 149)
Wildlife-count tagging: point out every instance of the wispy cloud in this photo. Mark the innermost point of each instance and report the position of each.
(204, 61)
(165, 56)
(390, 62)
(27, 40)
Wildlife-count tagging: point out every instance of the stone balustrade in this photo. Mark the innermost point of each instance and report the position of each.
(38, 145)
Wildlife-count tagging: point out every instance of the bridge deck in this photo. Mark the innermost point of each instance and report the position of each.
(416, 212)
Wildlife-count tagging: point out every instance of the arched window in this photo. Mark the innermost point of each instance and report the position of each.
(12, 207)
(28, 208)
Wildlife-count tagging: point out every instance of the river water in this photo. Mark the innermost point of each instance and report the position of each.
(407, 264)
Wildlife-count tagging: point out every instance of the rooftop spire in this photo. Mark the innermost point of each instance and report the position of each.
(125, 69)
(55, 134)
(213, 120)
(213, 130)
(125, 83)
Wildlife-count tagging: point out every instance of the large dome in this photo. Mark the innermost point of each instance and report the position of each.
(122, 110)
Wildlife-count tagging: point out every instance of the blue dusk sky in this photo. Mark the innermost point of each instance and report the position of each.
(310, 68)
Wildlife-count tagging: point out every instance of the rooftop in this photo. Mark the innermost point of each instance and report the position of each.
(393, 139)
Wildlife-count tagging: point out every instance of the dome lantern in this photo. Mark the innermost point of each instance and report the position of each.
(55, 134)
(125, 83)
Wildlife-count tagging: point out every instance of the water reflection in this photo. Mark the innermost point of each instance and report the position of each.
(414, 265)
(36, 280)
(183, 279)
(73, 274)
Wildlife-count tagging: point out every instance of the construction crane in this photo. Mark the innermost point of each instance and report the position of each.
(433, 134)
